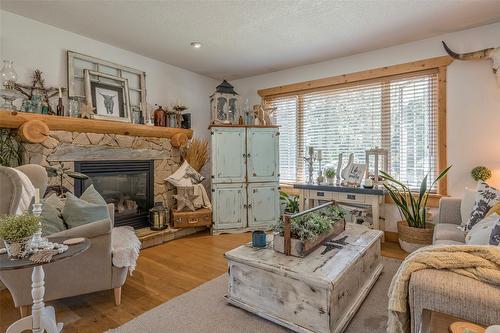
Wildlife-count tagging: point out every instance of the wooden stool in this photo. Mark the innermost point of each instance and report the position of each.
(465, 327)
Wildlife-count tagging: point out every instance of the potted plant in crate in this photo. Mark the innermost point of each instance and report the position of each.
(16, 232)
(414, 230)
(330, 175)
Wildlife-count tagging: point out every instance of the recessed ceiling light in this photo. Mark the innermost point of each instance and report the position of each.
(196, 45)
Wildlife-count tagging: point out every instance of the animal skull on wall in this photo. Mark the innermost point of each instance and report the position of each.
(491, 53)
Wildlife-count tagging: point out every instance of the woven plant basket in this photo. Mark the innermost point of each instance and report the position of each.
(411, 239)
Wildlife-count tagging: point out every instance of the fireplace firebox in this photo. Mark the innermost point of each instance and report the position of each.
(126, 184)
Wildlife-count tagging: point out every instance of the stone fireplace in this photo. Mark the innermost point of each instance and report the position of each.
(124, 160)
(126, 184)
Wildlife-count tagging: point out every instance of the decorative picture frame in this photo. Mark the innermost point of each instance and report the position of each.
(108, 94)
(78, 62)
(356, 174)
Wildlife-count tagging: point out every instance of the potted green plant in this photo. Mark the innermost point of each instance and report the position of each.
(288, 203)
(16, 232)
(61, 172)
(330, 175)
(414, 230)
(480, 173)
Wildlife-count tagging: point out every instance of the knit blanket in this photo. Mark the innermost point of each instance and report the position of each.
(125, 247)
(478, 262)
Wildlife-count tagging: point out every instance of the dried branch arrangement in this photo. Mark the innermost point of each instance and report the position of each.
(197, 153)
(38, 85)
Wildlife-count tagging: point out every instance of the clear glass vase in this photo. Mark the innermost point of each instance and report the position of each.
(8, 75)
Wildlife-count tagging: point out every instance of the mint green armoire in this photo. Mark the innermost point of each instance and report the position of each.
(245, 178)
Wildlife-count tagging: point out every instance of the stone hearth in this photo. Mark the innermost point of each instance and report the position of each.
(67, 147)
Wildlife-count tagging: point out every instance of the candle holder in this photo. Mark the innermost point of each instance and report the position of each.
(38, 241)
(310, 161)
(320, 178)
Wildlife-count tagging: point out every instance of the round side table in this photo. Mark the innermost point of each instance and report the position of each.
(42, 318)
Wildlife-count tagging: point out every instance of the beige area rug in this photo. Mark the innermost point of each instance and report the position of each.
(204, 310)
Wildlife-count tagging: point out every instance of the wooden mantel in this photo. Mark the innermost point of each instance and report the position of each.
(15, 119)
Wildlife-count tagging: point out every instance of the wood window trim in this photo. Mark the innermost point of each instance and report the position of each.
(438, 63)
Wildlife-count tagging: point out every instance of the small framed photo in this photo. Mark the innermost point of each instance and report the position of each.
(108, 94)
(356, 174)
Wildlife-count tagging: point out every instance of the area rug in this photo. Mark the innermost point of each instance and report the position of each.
(204, 309)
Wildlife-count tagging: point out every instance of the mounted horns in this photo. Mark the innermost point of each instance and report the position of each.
(477, 55)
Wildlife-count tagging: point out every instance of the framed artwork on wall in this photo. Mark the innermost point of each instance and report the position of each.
(108, 94)
(136, 79)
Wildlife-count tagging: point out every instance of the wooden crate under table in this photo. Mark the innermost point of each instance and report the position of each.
(316, 294)
(189, 219)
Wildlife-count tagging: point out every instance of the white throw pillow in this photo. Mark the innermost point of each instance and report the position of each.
(466, 205)
(185, 176)
(485, 232)
(486, 197)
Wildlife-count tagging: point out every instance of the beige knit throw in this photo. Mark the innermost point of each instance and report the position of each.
(478, 262)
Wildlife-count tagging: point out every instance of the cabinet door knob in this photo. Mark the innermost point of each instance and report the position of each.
(248, 155)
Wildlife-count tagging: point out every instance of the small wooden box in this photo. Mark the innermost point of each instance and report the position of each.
(198, 218)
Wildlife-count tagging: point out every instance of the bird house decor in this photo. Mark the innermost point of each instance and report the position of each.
(224, 105)
(376, 159)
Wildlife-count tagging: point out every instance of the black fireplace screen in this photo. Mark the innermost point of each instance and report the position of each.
(126, 184)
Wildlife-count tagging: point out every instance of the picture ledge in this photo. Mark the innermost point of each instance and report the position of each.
(15, 119)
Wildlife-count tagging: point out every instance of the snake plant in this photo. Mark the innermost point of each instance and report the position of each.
(411, 205)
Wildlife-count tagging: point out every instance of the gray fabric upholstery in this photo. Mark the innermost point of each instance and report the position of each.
(454, 295)
(446, 231)
(448, 292)
(85, 273)
(449, 210)
(10, 185)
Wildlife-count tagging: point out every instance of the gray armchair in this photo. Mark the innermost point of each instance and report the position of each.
(88, 272)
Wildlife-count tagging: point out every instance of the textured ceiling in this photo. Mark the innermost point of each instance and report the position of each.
(246, 38)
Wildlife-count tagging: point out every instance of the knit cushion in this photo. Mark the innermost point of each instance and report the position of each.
(185, 176)
(486, 197)
(485, 232)
(90, 207)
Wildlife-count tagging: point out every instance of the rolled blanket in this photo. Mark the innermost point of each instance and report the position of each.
(477, 262)
(125, 247)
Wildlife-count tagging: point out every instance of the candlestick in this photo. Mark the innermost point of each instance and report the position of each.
(320, 154)
(37, 196)
(38, 241)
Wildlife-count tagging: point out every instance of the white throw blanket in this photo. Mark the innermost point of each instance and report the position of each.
(125, 247)
(27, 193)
(202, 201)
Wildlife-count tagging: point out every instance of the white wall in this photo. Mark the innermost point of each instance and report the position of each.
(473, 96)
(34, 45)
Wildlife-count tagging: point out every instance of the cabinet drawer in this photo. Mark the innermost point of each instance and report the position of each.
(321, 195)
(351, 197)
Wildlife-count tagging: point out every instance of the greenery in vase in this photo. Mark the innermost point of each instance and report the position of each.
(61, 173)
(480, 173)
(330, 172)
(292, 202)
(16, 227)
(411, 206)
(309, 226)
(10, 148)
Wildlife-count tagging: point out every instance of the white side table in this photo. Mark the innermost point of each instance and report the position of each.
(42, 318)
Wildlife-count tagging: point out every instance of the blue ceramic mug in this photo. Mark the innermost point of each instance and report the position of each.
(259, 238)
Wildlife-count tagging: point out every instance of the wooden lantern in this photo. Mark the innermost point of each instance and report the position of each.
(224, 104)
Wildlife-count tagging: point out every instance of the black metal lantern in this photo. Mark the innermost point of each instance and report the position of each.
(224, 104)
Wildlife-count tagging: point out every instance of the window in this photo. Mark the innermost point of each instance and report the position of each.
(398, 113)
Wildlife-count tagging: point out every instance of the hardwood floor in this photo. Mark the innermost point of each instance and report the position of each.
(163, 272)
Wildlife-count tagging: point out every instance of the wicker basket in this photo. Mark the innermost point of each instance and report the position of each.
(411, 239)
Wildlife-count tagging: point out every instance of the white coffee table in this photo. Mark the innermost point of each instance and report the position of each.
(319, 293)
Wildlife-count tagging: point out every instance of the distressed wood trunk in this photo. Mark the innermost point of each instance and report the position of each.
(319, 293)
(301, 248)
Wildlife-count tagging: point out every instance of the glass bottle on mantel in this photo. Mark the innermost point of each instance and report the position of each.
(159, 116)
(60, 106)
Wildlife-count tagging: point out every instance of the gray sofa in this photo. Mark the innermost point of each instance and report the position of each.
(88, 272)
(447, 292)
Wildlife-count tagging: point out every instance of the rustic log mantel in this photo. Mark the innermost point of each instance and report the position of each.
(14, 119)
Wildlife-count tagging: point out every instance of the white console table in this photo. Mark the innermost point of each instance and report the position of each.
(311, 194)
